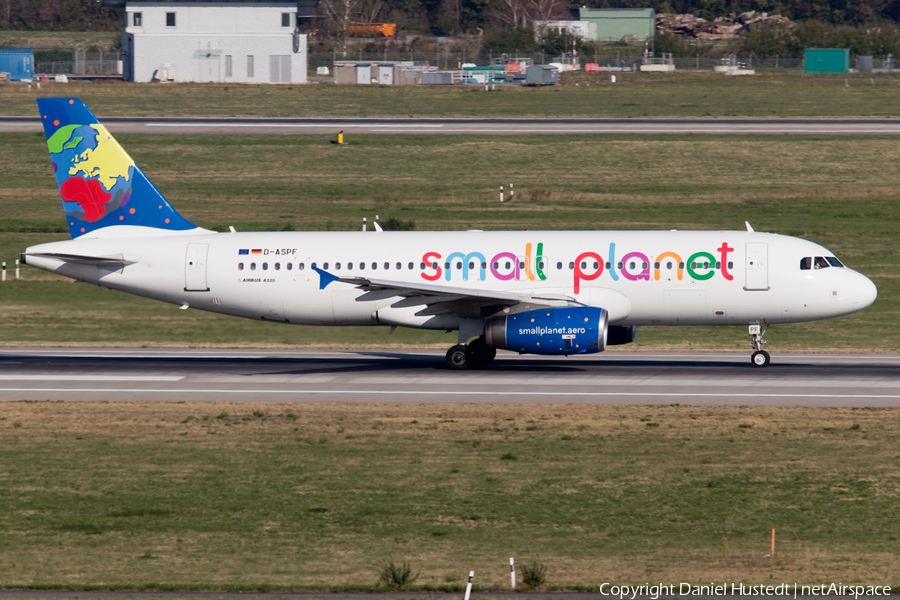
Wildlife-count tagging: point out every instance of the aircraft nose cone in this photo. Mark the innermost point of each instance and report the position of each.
(864, 293)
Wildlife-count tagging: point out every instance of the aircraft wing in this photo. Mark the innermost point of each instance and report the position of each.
(441, 300)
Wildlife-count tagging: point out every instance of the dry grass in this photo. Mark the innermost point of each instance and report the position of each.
(312, 496)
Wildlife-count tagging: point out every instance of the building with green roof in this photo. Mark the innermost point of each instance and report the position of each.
(633, 25)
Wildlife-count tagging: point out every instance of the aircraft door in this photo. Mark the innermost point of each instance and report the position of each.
(195, 268)
(757, 266)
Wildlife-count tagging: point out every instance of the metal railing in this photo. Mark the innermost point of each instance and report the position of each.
(83, 63)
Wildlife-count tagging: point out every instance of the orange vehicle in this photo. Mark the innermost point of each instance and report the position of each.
(373, 29)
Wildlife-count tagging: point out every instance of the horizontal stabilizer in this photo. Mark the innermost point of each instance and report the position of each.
(79, 259)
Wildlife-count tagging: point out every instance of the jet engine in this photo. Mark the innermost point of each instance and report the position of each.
(621, 334)
(577, 330)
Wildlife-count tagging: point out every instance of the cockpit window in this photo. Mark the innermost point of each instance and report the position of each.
(833, 261)
(806, 263)
(820, 263)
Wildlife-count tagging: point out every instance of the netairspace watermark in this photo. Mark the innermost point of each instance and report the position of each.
(654, 591)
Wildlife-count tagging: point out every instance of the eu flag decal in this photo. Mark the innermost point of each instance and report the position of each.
(242, 252)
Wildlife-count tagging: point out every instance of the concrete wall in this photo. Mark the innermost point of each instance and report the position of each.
(205, 35)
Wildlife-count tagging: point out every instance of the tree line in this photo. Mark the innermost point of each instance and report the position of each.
(867, 27)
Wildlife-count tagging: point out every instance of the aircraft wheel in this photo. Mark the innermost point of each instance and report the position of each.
(457, 357)
(479, 354)
(760, 359)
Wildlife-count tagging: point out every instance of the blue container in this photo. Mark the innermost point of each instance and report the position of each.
(18, 62)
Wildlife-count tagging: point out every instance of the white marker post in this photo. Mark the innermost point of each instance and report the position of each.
(364, 223)
(512, 572)
(17, 268)
(512, 192)
(469, 585)
(501, 193)
(4, 270)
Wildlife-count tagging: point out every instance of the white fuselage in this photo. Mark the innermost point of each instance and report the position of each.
(640, 277)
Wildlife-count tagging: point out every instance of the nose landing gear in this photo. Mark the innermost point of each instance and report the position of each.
(474, 356)
(760, 358)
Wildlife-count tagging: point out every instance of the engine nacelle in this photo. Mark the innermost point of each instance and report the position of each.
(578, 330)
(621, 334)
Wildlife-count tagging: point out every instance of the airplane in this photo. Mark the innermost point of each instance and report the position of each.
(532, 292)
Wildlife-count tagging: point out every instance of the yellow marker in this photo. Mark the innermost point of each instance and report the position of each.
(341, 138)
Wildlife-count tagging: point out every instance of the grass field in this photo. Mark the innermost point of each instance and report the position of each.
(689, 94)
(315, 496)
(837, 191)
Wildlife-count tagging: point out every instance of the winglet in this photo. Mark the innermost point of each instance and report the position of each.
(749, 229)
(325, 277)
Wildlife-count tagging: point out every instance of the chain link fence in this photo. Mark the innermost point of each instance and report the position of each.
(452, 61)
(82, 62)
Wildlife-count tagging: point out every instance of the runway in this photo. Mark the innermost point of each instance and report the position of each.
(648, 126)
(410, 377)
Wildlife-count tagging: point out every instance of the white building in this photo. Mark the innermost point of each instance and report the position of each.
(214, 40)
(580, 29)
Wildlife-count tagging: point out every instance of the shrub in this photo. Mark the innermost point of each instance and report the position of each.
(534, 575)
(396, 576)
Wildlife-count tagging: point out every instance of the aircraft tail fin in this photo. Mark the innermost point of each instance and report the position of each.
(99, 183)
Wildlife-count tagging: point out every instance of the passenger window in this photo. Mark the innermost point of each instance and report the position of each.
(643, 265)
(669, 266)
(362, 266)
(459, 265)
(277, 266)
(484, 265)
(387, 266)
(596, 265)
(656, 265)
(583, 265)
(558, 266)
(421, 265)
(608, 265)
(833, 261)
(374, 266)
(496, 265)
(730, 265)
(252, 266)
(447, 265)
(508, 265)
(521, 264)
(291, 266)
(681, 265)
(312, 266)
(266, 266)
(820, 263)
(621, 265)
(337, 266)
(434, 265)
(411, 266)
(541, 265)
(325, 266)
(400, 266)
(631, 266)
(240, 266)
(571, 266)
(806, 263)
(719, 264)
(471, 265)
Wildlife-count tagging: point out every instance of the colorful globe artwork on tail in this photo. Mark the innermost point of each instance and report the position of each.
(99, 183)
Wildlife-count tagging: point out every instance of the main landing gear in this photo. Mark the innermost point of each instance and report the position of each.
(476, 355)
(760, 358)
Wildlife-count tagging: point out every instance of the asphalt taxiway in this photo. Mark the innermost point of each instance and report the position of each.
(479, 126)
(413, 377)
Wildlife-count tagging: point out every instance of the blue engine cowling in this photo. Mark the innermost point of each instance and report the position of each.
(578, 330)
